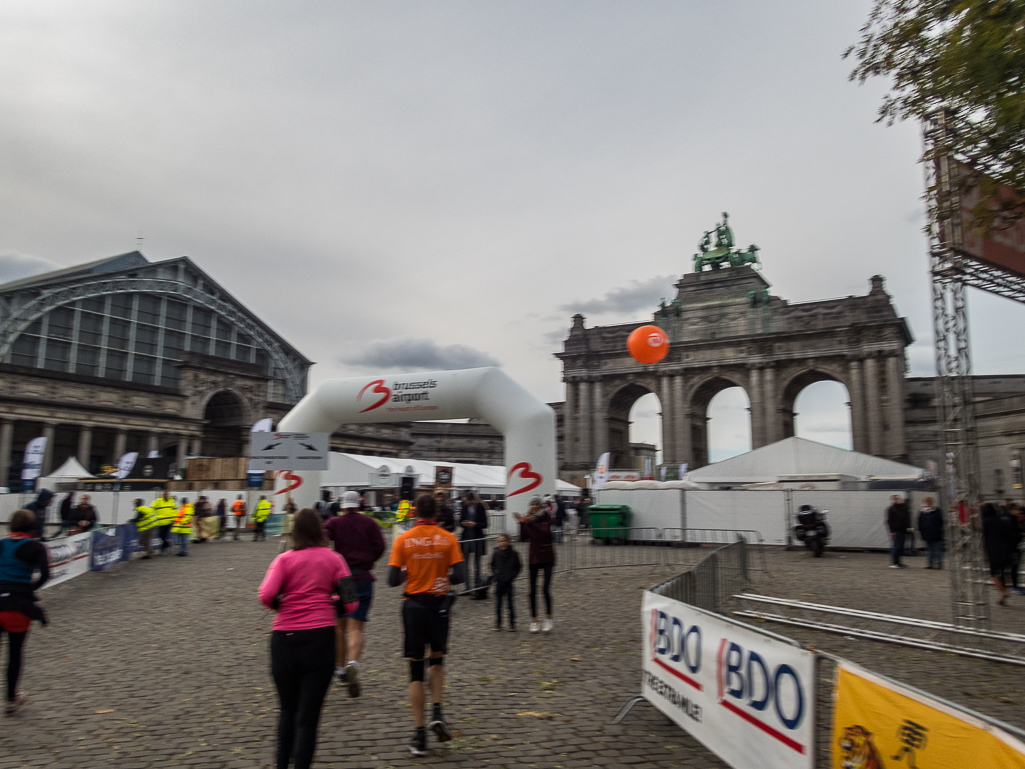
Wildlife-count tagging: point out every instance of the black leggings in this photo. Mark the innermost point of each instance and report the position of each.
(15, 642)
(302, 662)
(547, 584)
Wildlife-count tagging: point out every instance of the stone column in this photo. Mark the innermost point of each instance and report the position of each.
(49, 432)
(585, 451)
(873, 414)
(859, 438)
(569, 424)
(120, 444)
(757, 410)
(183, 451)
(152, 443)
(6, 442)
(771, 428)
(895, 413)
(85, 445)
(682, 422)
(665, 398)
(197, 447)
(601, 427)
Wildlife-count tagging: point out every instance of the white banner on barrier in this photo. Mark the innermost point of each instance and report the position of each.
(69, 557)
(747, 697)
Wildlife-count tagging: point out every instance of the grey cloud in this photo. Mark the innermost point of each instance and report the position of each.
(15, 266)
(639, 295)
(411, 354)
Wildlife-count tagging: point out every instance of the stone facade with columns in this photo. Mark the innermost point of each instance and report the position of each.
(727, 330)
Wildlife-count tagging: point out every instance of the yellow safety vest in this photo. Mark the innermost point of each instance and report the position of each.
(147, 518)
(183, 523)
(262, 511)
(403, 511)
(165, 511)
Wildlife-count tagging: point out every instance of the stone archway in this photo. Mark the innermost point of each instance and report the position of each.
(796, 384)
(618, 422)
(699, 400)
(225, 425)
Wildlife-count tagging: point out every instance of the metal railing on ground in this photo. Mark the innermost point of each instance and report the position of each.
(710, 582)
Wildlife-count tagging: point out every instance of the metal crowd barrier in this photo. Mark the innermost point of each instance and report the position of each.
(713, 580)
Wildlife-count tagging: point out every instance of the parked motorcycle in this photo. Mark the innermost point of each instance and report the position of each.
(812, 529)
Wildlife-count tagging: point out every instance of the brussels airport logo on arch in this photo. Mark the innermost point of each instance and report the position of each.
(403, 394)
(531, 480)
(771, 698)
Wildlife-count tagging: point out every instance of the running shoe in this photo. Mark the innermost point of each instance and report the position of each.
(352, 672)
(418, 745)
(341, 675)
(547, 625)
(535, 626)
(441, 730)
(13, 706)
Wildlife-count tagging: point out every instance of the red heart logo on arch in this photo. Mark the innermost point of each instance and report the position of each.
(294, 480)
(527, 474)
(380, 388)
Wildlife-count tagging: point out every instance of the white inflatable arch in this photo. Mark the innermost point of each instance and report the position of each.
(527, 424)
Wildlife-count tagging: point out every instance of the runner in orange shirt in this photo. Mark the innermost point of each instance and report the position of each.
(429, 561)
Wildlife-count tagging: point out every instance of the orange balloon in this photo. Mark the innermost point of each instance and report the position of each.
(648, 344)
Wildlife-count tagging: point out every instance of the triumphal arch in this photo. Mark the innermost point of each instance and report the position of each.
(727, 330)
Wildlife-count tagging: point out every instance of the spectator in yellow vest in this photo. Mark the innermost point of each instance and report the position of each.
(182, 528)
(263, 508)
(145, 521)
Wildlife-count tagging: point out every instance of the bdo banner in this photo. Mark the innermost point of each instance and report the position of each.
(746, 696)
(69, 557)
(879, 723)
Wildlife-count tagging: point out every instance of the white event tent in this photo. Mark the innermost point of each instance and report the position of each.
(69, 472)
(353, 471)
(799, 457)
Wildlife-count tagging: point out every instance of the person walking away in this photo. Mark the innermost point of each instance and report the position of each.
(300, 586)
(260, 515)
(583, 515)
(358, 538)
(166, 511)
(206, 523)
(536, 528)
(20, 556)
(222, 518)
(445, 516)
(238, 509)
(182, 527)
(323, 506)
(559, 522)
(429, 561)
(505, 567)
(930, 526)
(995, 541)
(66, 515)
(286, 525)
(1009, 514)
(145, 520)
(38, 510)
(474, 521)
(898, 520)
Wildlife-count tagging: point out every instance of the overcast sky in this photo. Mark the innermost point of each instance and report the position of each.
(442, 184)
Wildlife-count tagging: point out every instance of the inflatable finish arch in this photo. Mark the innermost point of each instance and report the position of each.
(527, 424)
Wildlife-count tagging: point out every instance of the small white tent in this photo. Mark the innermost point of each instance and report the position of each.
(69, 472)
(798, 457)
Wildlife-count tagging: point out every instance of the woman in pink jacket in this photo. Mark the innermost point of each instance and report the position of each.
(301, 585)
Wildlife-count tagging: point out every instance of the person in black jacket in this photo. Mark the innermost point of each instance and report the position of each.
(38, 509)
(996, 541)
(445, 517)
(67, 504)
(505, 567)
(474, 522)
(898, 521)
(930, 526)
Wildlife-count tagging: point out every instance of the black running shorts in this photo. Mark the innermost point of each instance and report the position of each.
(424, 626)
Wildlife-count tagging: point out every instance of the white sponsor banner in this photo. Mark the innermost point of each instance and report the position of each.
(601, 471)
(125, 464)
(69, 557)
(33, 462)
(746, 696)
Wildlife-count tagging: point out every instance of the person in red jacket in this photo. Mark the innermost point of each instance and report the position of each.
(536, 528)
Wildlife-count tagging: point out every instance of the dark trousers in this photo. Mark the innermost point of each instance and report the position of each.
(165, 537)
(897, 547)
(302, 662)
(473, 549)
(504, 591)
(258, 531)
(15, 643)
(546, 586)
(1014, 563)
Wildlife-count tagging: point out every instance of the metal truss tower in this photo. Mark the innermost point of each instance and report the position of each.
(951, 272)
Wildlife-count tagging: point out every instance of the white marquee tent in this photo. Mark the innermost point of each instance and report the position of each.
(354, 470)
(799, 457)
(69, 472)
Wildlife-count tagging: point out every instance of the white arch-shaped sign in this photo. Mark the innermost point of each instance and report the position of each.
(527, 424)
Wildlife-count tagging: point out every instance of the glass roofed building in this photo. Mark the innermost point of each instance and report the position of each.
(127, 355)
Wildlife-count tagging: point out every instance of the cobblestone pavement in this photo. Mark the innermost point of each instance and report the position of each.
(865, 581)
(164, 663)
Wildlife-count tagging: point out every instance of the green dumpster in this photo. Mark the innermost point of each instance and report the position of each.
(609, 523)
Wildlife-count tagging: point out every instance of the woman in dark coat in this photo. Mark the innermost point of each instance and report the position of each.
(998, 548)
(536, 528)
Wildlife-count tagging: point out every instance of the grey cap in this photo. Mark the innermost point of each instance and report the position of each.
(350, 499)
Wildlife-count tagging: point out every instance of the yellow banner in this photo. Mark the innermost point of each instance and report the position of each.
(880, 725)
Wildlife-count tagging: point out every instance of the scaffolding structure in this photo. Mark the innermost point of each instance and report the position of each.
(953, 270)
